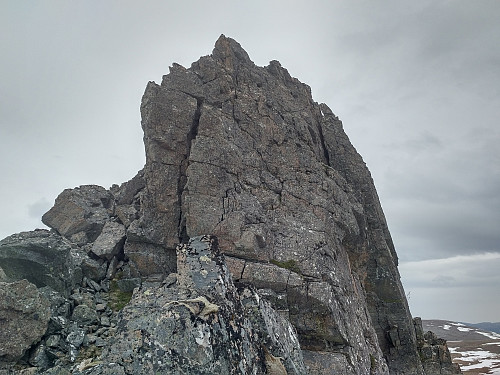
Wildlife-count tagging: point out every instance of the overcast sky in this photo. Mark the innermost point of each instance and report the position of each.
(416, 84)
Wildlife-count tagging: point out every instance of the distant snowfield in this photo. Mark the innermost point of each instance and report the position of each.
(476, 350)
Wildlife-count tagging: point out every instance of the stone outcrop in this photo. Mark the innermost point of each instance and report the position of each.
(80, 214)
(253, 241)
(197, 322)
(244, 152)
(434, 352)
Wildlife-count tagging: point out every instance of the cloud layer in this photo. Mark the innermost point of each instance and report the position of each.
(462, 288)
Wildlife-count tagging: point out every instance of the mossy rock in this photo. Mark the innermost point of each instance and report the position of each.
(118, 299)
(288, 264)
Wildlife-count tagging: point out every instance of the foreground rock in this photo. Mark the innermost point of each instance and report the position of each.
(24, 317)
(43, 258)
(197, 322)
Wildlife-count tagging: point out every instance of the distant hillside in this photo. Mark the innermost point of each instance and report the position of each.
(476, 349)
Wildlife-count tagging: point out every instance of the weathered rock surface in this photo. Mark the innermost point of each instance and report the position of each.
(245, 153)
(43, 258)
(79, 214)
(24, 317)
(434, 352)
(110, 241)
(199, 323)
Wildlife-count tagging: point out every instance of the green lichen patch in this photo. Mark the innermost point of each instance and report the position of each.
(288, 264)
(117, 298)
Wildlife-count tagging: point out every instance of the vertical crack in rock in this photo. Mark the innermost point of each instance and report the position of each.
(323, 144)
(191, 136)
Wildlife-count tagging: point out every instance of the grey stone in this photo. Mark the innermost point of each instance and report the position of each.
(128, 191)
(95, 286)
(110, 241)
(148, 259)
(245, 153)
(75, 337)
(100, 342)
(93, 269)
(80, 214)
(100, 307)
(434, 352)
(53, 341)
(59, 305)
(57, 370)
(104, 321)
(126, 214)
(202, 325)
(128, 285)
(39, 358)
(57, 324)
(24, 317)
(43, 258)
(112, 266)
(83, 298)
(85, 315)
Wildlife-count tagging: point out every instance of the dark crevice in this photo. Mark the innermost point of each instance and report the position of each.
(181, 184)
(323, 144)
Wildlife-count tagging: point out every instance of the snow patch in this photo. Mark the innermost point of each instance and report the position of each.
(490, 335)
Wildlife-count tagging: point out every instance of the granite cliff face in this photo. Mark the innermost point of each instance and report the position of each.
(240, 161)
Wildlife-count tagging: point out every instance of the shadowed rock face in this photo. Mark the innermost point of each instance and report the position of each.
(243, 152)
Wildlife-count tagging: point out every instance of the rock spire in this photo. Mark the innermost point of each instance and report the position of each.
(253, 241)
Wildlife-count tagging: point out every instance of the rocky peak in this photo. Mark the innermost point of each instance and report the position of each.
(254, 218)
(245, 153)
(229, 53)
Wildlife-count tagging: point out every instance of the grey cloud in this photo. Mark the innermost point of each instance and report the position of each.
(38, 208)
(459, 288)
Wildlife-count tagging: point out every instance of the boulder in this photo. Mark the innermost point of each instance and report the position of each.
(24, 317)
(84, 315)
(110, 241)
(80, 214)
(42, 257)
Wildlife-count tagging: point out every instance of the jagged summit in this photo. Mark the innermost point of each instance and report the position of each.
(243, 158)
(227, 49)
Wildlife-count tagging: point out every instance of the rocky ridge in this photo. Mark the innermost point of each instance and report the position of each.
(308, 282)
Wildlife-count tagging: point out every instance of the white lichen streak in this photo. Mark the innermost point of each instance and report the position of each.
(193, 306)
